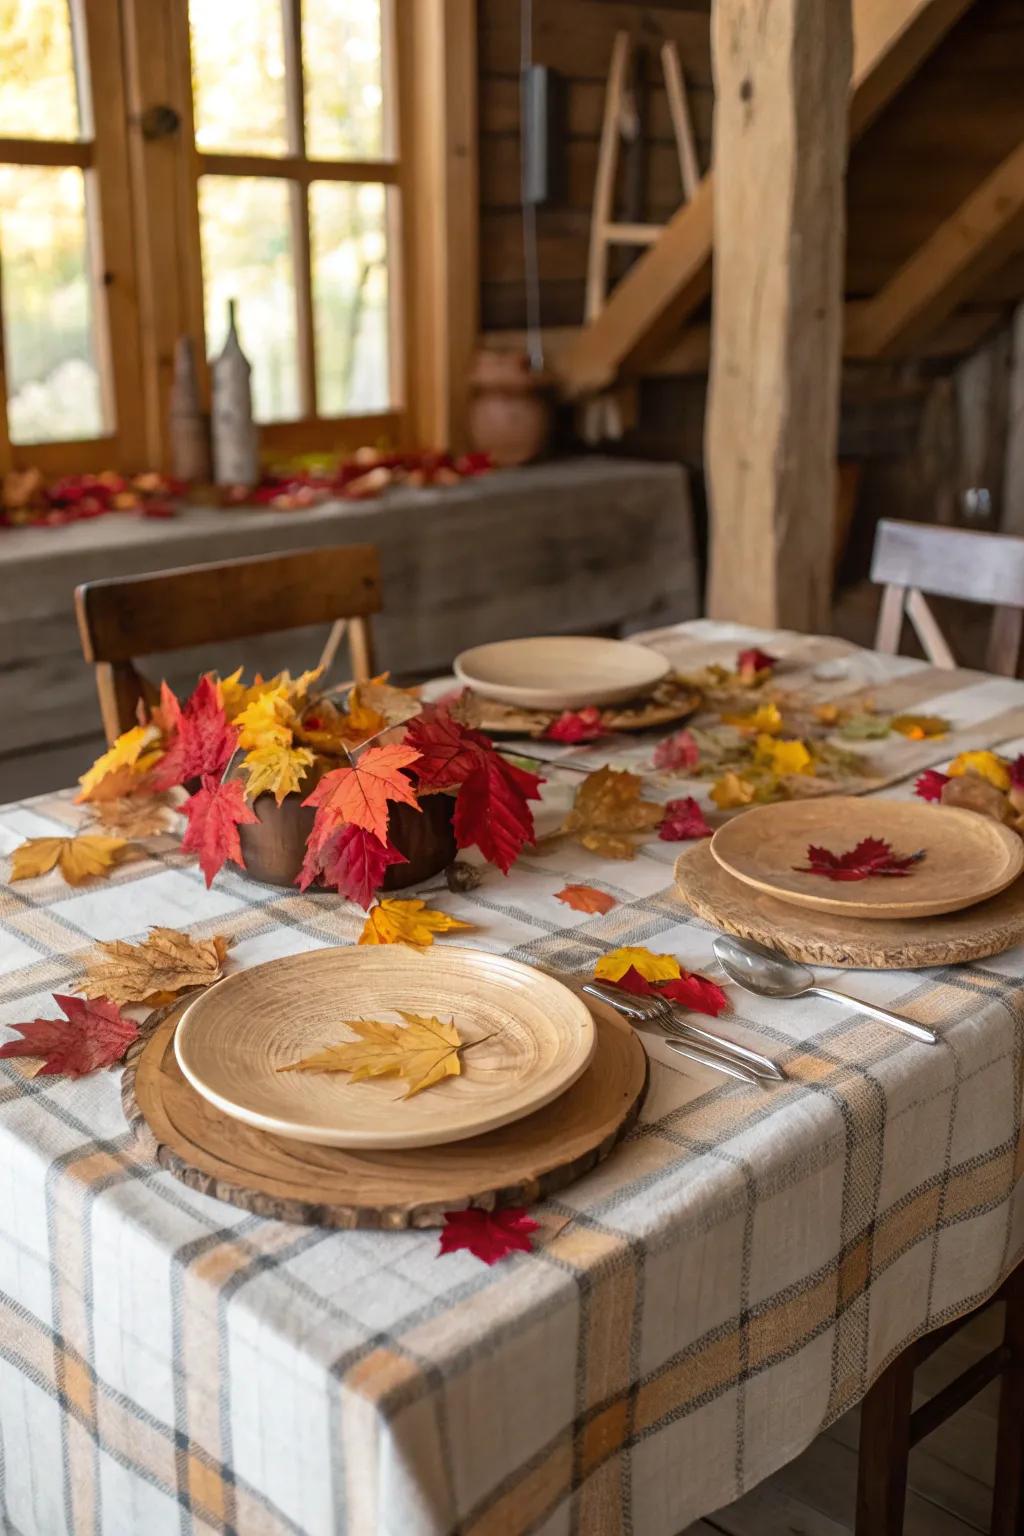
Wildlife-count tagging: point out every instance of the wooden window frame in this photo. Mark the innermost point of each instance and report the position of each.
(145, 245)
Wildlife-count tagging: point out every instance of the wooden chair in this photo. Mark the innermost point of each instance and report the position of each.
(890, 1425)
(911, 559)
(122, 618)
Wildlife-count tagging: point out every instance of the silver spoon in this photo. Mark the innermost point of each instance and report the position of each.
(759, 969)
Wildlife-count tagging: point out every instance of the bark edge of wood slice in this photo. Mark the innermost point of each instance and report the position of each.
(517, 1164)
(820, 938)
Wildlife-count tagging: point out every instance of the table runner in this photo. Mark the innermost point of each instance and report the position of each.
(696, 1311)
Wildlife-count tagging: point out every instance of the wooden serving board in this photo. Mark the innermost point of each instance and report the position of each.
(516, 1164)
(820, 938)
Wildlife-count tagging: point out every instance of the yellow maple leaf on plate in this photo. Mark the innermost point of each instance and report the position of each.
(987, 765)
(765, 720)
(276, 769)
(393, 921)
(78, 858)
(155, 970)
(783, 756)
(919, 727)
(267, 720)
(136, 750)
(732, 790)
(652, 967)
(608, 812)
(422, 1052)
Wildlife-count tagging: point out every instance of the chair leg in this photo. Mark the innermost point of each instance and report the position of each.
(884, 1450)
(1008, 1492)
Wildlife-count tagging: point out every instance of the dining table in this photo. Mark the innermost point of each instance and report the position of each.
(694, 1311)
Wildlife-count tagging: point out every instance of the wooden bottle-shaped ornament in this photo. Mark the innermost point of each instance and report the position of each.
(235, 446)
(189, 425)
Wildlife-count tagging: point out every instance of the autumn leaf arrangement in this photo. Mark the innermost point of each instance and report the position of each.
(983, 781)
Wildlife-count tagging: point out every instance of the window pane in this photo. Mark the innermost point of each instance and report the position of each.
(37, 76)
(238, 75)
(348, 246)
(341, 55)
(245, 224)
(53, 383)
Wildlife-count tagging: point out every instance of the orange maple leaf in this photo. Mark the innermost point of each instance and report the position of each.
(359, 794)
(585, 898)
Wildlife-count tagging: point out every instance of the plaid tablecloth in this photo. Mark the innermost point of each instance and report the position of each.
(696, 1311)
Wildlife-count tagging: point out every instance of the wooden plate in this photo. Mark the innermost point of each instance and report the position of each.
(819, 938)
(968, 857)
(561, 671)
(329, 1186)
(235, 1037)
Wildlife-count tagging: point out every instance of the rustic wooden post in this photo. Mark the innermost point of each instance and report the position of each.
(782, 77)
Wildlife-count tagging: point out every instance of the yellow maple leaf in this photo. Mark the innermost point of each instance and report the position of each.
(918, 727)
(268, 719)
(608, 812)
(987, 765)
(393, 921)
(78, 858)
(276, 769)
(652, 967)
(421, 1053)
(828, 714)
(136, 750)
(783, 756)
(154, 971)
(765, 720)
(732, 790)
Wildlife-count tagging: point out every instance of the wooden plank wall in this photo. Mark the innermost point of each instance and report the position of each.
(575, 38)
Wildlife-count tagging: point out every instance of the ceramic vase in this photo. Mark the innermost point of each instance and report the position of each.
(189, 424)
(236, 459)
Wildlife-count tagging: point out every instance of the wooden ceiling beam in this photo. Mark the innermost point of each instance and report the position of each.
(971, 244)
(673, 276)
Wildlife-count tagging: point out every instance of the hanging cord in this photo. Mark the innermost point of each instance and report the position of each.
(534, 341)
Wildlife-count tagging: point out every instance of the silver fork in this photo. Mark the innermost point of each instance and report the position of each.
(637, 1011)
(667, 1016)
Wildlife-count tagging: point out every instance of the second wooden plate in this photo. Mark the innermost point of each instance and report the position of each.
(967, 857)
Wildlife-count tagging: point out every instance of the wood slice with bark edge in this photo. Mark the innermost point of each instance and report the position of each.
(517, 1164)
(819, 938)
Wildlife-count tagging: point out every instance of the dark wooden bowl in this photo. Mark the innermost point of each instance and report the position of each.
(275, 845)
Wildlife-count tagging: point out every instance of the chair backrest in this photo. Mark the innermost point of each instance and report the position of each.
(911, 559)
(121, 618)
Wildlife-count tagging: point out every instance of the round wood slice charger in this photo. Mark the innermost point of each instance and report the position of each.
(953, 858)
(820, 938)
(517, 1164)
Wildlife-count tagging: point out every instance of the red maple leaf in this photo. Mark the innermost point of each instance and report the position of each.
(689, 990)
(203, 743)
(754, 660)
(683, 819)
(872, 856)
(492, 811)
(352, 860)
(361, 793)
(92, 1034)
(930, 784)
(488, 1235)
(676, 752)
(215, 812)
(1017, 772)
(449, 751)
(576, 725)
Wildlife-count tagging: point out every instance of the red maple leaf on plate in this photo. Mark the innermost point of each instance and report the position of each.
(576, 725)
(488, 1235)
(92, 1034)
(203, 742)
(351, 860)
(930, 784)
(754, 660)
(683, 819)
(448, 751)
(872, 856)
(360, 793)
(492, 811)
(215, 812)
(677, 752)
(689, 990)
